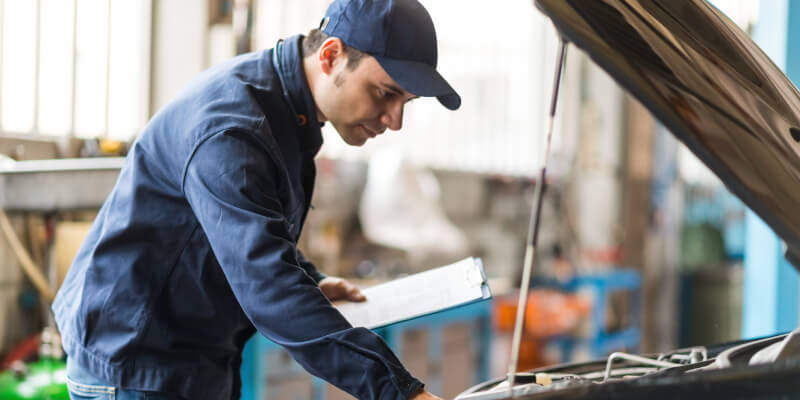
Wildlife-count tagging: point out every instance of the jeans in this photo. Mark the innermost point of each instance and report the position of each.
(83, 386)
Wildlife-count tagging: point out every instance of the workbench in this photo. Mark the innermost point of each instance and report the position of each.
(62, 184)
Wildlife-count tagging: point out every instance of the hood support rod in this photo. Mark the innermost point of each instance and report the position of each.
(533, 226)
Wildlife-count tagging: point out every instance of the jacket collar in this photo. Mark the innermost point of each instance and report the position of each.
(288, 62)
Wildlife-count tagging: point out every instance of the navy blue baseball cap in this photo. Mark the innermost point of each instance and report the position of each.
(401, 37)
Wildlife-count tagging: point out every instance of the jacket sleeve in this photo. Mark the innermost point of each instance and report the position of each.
(231, 186)
(310, 269)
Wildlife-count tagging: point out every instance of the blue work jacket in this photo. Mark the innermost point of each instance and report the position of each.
(195, 248)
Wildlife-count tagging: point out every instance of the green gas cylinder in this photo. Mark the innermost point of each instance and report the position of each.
(45, 379)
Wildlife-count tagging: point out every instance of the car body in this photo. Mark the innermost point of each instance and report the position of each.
(705, 80)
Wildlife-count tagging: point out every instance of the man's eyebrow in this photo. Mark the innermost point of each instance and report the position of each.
(394, 89)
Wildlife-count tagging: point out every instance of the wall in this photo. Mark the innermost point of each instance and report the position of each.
(179, 47)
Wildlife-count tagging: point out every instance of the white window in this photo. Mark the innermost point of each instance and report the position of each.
(74, 67)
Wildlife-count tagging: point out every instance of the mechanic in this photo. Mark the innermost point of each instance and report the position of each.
(195, 248)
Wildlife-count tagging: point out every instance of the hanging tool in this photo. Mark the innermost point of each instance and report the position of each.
(28, 266)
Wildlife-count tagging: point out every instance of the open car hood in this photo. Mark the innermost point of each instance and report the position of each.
(710, 85)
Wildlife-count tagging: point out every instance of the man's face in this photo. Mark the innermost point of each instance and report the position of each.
(361, 103)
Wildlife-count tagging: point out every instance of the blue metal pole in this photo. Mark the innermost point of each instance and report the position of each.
(770, 284)
(770, 297)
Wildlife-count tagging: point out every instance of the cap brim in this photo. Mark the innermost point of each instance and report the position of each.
(421, 79)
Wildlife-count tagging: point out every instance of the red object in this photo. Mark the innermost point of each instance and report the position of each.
(549, 313)
(23, 351)
(608, 255)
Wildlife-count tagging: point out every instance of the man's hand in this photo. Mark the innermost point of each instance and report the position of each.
(426, 395)
(339, 289)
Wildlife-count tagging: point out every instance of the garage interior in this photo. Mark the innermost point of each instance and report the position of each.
(641, 247)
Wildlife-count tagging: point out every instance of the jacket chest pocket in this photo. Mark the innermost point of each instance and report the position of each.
(294, 201)
(291, 195)
(293, 221)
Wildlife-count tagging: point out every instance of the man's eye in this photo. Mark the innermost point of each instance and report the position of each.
(384, 94)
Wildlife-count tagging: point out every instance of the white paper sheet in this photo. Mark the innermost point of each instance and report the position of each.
(419, 294)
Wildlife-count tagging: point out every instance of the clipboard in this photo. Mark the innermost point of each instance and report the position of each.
(438, 289)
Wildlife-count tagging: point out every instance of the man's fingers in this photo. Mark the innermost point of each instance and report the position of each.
(354, 294)
(340, 289)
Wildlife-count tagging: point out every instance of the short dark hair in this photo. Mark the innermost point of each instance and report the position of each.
(315, 38)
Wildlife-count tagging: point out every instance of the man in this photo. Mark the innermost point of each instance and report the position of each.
(195, 249)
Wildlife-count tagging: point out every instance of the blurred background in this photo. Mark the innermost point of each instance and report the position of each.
(641, 247)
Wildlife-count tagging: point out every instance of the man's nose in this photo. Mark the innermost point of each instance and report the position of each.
(392, 118)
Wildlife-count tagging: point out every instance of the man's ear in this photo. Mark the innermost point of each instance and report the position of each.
(330, 54)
